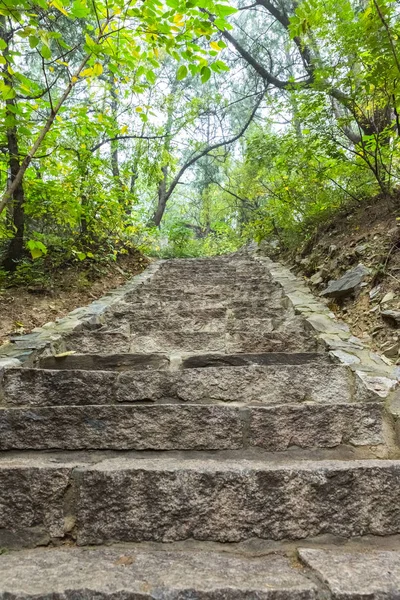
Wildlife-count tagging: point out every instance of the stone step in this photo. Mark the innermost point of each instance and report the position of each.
(150, 573)
(105, 362)
(249, 384)
(191, 427)
(137, 362)
(196, 572)
(157, 498)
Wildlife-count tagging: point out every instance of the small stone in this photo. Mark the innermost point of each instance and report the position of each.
(316, 279)
(347, 284)
(388, 297)
(374, 292)
(392, 316)
(360, 250)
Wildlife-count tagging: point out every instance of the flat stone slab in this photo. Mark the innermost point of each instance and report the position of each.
(105, 362)
(269, 384)
(161, 427)
(116, 574)
(171, 499)
(356, 575)
(249, 384)
(190, 427)
(347, 284)
(267, 358)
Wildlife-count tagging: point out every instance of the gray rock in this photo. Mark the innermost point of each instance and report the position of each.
(347, 284)
(392, 316)
(161, 427)
(32, 501)
(41, 387)
(310, 426)
(170, 499)
(190, 427)
(149, 574)
(355, 575)
(272, 384)
(105, 362)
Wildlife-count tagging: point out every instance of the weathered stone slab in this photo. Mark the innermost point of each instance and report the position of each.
(167, 499)
(358, 574)
(99, 341)
(241, 360)
(42, 387)
(105, 362)
(162, 427)
(316, 426)
(245, 341)
(272, 384)
(207, 320)
(33, 497)
(178, 341)
(190, 427)
(133, 573)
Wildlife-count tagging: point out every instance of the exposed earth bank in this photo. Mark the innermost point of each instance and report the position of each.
(364, 241)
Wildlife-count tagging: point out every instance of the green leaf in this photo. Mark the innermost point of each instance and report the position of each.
(222, 10)
(205, 74)
(33, 41)
(45, 51)
(3, 44)
(182, 72)
(37, 249)
(151, 76)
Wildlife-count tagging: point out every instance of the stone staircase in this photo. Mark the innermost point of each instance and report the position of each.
(198, 444)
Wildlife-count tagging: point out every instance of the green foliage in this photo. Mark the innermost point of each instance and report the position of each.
(104, 104)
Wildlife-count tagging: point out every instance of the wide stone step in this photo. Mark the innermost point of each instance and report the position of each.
(291, 337)
(150, 574)
(191, 427)
(170, 499)
(251, 383)
(130, 499)
(198, 573)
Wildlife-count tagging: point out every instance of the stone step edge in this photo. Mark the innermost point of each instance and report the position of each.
(197, 427)
(176, 573)
(178, 361)
(370, 368)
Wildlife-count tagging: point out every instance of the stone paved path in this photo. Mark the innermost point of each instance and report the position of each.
(199, 444)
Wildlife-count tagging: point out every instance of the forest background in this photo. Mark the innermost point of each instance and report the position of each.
(189, 127)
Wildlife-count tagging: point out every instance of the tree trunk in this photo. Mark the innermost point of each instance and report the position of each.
(162, 199)
(15, 248)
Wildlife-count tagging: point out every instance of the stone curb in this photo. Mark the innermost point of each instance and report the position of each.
(370, 369)
(25, 349)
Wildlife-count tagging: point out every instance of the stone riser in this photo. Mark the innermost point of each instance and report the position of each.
(190, 427)
(270, 384)
(171, 499)
(195, 342)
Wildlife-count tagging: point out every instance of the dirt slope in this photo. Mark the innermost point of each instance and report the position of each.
(369, 234)
(23, 308)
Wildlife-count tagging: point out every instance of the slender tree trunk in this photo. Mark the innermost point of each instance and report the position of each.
(16, 215)
(15, 249)
(162, 186)
(162, 199)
